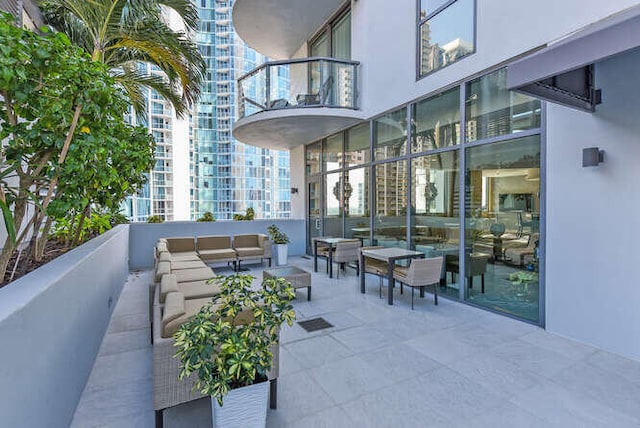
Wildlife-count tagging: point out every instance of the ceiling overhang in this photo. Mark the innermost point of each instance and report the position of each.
(562, 72)
(290, 128)
(277, 28)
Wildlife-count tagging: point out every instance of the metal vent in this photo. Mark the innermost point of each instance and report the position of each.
(315, 324)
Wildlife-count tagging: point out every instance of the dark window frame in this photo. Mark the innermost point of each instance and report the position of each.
(420, 21)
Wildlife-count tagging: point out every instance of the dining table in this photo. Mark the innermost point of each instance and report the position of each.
(389, 255)
(331, 243)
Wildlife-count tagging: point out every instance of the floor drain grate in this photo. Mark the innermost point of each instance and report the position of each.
(314, 324)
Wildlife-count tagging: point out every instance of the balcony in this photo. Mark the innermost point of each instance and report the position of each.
(277, 28)
(285, 104)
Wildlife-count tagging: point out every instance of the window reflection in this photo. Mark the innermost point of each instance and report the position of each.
(493, 110)
(313, 158)
(332, 154)
(447, 36)
(435, 219)
(356, 194)
(436, 122)
(333, 204)
(502, 227)
(357, 151)
(427, 7)
(390, 135)
(390, 222)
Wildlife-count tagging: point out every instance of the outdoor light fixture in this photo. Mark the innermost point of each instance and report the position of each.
(294, 190)
(592, 156)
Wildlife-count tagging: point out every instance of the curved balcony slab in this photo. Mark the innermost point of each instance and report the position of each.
(286, 129)
(277, 28)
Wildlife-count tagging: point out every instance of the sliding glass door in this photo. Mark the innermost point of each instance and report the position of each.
(502, 227)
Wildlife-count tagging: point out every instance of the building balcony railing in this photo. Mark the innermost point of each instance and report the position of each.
(299, 83)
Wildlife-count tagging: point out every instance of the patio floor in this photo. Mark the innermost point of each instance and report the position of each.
(387, 366)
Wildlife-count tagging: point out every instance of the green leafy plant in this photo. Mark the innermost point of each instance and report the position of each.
(61, 112)
(155, 219)
(228, 343)
(66, 228)
(249, 215)
(208, 216)
(523, 278)
(277, 236)
(117, 217)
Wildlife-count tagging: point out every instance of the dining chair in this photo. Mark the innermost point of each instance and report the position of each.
(374, 266)
(419, 274)
(323, 250)
(347, 251)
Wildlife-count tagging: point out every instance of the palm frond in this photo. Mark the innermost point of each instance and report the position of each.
(133, 78)
(119, 32)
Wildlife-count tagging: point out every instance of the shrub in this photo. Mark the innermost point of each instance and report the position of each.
(249, 215)
(208, 216)
(155, 219)
(224, 347)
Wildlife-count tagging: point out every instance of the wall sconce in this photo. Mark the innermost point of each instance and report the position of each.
(294, 190)
(592, 156)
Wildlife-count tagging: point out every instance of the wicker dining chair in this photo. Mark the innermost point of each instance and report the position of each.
(419, 274)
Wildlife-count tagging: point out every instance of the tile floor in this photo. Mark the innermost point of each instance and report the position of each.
(379, 366)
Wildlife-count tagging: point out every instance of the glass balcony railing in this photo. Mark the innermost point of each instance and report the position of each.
(298, 83)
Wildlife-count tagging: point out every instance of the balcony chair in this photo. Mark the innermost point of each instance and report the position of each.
(319, 98)
(278, 104)
(347, 251)
(420, 273)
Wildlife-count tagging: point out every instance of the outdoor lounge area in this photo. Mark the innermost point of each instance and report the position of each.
(439, 204)
(468, 367)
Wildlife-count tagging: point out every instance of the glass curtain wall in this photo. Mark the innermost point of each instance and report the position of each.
(435, 206)
(411, 174)
(333, 204)
(446, 33)
(390, 221)
(390, 135)
(356, 203)
(502, 226)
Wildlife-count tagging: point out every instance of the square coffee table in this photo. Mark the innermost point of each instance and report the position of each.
(299, 278)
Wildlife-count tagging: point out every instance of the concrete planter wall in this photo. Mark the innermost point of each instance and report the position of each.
(51, 326)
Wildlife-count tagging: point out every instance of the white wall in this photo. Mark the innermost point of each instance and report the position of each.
(592, 285)
(181, 195)
(384, 41)
(297, 171)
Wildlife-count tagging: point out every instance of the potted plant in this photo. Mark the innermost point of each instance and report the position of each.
(228, 345)
(280, 241)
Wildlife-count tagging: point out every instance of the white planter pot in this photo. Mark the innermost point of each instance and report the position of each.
(244, 407)
(281, 251)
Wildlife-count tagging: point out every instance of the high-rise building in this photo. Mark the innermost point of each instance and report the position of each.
(226, 176)
(199, 166)
(160, 196)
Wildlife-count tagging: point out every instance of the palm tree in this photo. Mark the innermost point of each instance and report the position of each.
(125, 33)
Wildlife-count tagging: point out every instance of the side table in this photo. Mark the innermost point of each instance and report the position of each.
(299, 278)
